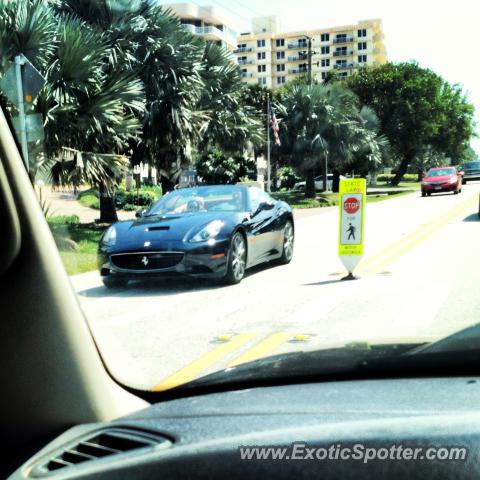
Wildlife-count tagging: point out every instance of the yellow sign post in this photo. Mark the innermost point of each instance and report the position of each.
(352, 195)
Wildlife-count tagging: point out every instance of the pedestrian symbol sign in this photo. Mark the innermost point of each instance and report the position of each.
(352, 194)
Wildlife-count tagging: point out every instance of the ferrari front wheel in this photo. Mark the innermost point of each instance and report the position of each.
(237, 260)
(288, 239)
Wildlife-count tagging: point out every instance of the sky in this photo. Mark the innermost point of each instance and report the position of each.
(441, 35)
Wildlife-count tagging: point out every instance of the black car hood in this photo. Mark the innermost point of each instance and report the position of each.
(168, 228)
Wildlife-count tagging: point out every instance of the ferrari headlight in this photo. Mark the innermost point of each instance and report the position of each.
(209, 231)
(110, 237)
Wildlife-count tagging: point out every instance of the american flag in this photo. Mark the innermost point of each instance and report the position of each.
(275, 127)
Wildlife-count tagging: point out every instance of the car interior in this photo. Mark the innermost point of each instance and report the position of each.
(65, 417)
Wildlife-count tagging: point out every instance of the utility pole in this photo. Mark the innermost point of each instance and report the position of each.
(268, 143)
(21, 110)
(309, 60)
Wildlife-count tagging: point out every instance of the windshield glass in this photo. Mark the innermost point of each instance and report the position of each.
(442, 172)
(178, 152)
(213, 199)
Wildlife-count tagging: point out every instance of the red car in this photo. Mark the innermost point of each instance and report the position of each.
(442, 179)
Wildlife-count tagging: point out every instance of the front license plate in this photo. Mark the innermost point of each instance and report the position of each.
(437, 188)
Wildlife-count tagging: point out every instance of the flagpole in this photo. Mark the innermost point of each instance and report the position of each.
(268, 143)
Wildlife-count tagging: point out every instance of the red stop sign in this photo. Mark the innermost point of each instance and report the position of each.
(351, 205)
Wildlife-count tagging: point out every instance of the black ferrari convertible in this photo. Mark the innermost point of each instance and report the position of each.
(209, 231)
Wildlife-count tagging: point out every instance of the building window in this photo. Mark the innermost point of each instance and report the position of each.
(302, 42)
(281, 67)
(242, 46)
(324, 75)
(261, 55)
(242, 60)
(260, 43)
(325, 50)
(326, 62)
(325, 37)
(280, 42)
(262, 80)
(261, 68)
(341, 37)
(362, 59)
(280, 55)
(342, 75)
(341, 51)
(362, 45)
(280, 80)
(362, 32)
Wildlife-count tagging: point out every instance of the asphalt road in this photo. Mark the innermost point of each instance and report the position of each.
(419, 279)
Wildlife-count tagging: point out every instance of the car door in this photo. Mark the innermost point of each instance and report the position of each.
(263, 238)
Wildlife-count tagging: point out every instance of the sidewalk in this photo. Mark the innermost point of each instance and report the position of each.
(64, 202)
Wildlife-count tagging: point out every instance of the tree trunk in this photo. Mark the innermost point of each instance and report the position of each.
(336, 181)
(310, 184)
(167, 184)
(108, 212)
(401, 170)
(325, 173)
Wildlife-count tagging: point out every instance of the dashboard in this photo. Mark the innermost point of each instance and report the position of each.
(200, 436)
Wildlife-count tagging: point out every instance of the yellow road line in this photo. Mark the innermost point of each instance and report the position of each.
(386, 256)
(192, 370)
(261, 349)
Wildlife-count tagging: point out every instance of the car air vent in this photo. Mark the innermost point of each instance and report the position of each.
(101, 444)
(153, 229)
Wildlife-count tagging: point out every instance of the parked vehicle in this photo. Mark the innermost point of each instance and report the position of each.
(318, 183)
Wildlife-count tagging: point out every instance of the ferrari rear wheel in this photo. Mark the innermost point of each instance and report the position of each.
(288, 240)
(237, 260)
(112, 282)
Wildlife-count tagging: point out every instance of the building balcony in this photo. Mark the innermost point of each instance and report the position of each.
(210, 33)
(342, 53)
(343, 66)
(347, 39)
(297, 45)
(298, 70)
(297, 58)
(243, 50)
(246, 75)
(245, 62)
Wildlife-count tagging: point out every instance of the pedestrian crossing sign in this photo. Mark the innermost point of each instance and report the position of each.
(352, 193)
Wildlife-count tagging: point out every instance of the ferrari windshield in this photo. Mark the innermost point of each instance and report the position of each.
(201, 199)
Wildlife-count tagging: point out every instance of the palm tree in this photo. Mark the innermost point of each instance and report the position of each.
(321, 128)
(151, 44)
(230, 122)
(86, 108)
(89, 109)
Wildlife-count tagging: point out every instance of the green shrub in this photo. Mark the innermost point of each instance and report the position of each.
(147, 195)
(130, 207)
(63, 220)
(387, 177)
(89, 198)
(144, 199)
